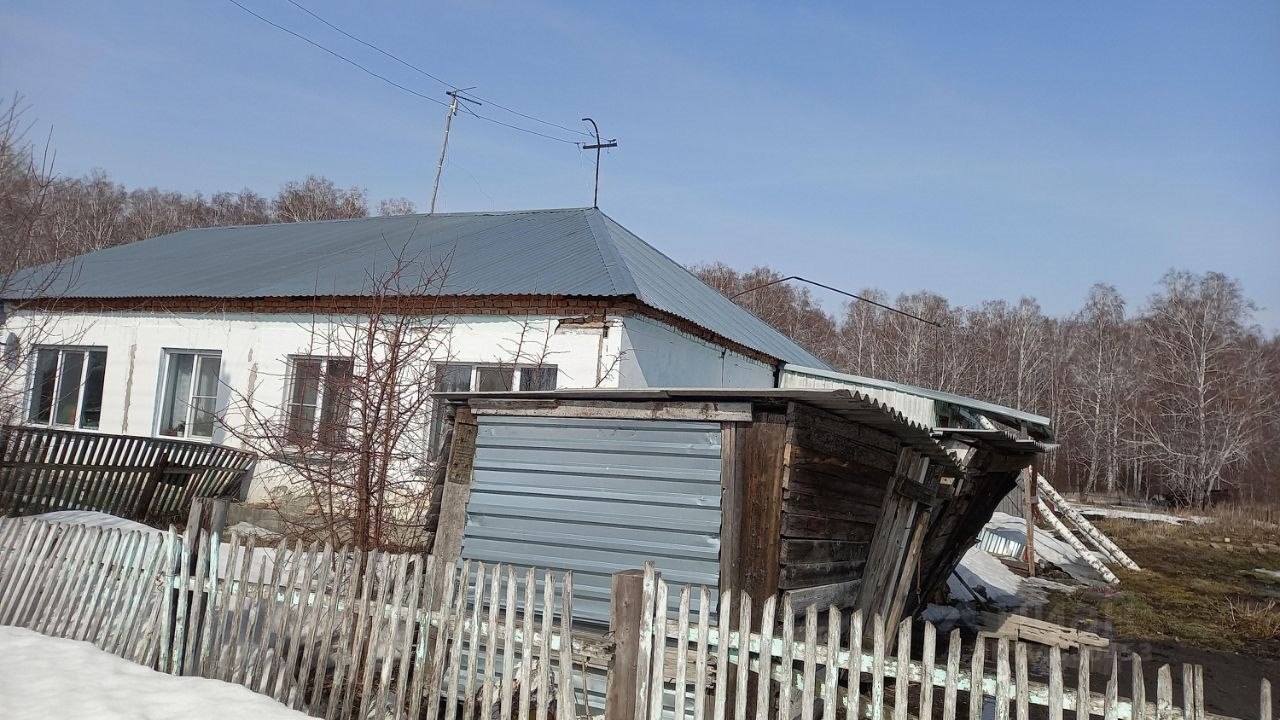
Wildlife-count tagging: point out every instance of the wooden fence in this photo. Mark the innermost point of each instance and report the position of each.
(339, 633)
(147, 479)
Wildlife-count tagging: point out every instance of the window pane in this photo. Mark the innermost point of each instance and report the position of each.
(207, 381)
(493, 378)
(337, 399)
(91, 412)
(202, 417)
(453, 378)
(69, 388)
(539, 378)
(46, 377)
(305, 387)
(177, 391)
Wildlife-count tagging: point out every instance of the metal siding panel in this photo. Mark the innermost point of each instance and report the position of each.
(595, 497)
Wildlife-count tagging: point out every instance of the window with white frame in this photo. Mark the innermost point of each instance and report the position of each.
(463, 377)
(66, 387)
(189, 399)
(319, 399)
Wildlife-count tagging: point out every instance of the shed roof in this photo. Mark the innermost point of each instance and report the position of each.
(848, 404)
(567, 252)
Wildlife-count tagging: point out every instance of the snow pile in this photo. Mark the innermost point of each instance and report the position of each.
(43, 677)
(95, 519)
(1007, 535)
(1090, 511)
(986, 577)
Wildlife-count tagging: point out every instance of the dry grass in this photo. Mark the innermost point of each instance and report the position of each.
(1199, 585)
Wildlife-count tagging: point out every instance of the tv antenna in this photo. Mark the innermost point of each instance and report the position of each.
(455, 96)
(598, 146)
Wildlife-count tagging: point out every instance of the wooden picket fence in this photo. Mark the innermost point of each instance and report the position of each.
(147, 479)
(340, 633)
(335, 633)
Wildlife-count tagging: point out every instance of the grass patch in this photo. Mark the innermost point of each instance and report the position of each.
(1199, 586)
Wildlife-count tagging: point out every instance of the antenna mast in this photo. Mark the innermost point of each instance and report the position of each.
(444, 146)
(595, 198)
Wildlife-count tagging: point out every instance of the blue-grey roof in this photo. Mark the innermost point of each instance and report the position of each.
(572, 252)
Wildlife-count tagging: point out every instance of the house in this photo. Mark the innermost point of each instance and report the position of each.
(186, 335)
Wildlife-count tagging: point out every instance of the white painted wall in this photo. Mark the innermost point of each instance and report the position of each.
(657, 355)
(621, 352)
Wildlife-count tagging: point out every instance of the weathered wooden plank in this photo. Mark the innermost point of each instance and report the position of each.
(953, 675)
(655, 410)
(761, 503)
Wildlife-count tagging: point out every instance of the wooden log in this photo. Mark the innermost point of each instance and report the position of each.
(1086, 527)
(1074, 542)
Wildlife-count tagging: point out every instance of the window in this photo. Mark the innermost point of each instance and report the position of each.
(190, 399)
(457, 377)
(319, 399)
(67, 387)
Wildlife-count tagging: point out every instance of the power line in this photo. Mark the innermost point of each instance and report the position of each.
(389, 81)
(340, 56)
(419, 70)
(834, 290)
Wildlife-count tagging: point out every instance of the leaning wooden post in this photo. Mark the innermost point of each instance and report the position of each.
(625, 611)
(142, 508)
(1029, 508)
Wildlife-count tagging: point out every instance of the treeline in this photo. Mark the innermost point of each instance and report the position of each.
(1177, 399)
(45, 217)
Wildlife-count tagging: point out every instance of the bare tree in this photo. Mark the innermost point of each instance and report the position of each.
(318, 198)
(397, 206)
(1205, 385)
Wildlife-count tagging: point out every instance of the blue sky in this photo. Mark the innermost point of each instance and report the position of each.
(980, 150)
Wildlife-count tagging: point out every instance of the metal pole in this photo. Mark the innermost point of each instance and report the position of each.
(448, 122)
(595, 198)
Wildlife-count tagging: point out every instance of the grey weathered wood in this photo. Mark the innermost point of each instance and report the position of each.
(1164, 693)
(565, 704)
(1264, 700)
(1022, 696)
(657, 675)
(830, 671)
(877, 666)
(1055, 683)
(1138, 696)
(1110, 710)
(700, 668)
(1082, 677)
(680, 685)
(902, 680)
(855, 665)
(741, 686)
(545, 618)
(927, 650)
(1002, 679)
(977, 668)
(953, 674)
(763, 694)
(624, 626)
(787, 661)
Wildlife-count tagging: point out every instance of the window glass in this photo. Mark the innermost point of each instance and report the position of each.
(46, 378)
(336, 407)
(453, 378)
(304, 396)
(204, 400)
(538, 378)
(493, 378)
(69, 388)
(177, 394)
(94, 377)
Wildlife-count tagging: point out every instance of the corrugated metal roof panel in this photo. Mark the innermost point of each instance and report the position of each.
(1005, 414)
(574, 252)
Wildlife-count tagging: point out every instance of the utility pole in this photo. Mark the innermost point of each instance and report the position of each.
(448, 122)
(595, 198)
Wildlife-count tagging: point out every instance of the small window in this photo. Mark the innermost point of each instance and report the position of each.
(319, 400)
(190, 401)
(66, 389)
(458, 377)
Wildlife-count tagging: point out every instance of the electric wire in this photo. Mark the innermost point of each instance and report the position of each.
(419, 70)
(391, 82)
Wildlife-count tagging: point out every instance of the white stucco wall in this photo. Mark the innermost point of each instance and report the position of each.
(657, 355)
(626, 351)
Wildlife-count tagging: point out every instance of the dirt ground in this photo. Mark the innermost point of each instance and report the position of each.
(1206, 594)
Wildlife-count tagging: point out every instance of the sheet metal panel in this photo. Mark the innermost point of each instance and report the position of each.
(917, 409)
(596, 496)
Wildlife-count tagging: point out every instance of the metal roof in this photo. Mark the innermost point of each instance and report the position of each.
(848, 404)
(1004, 414)
(571, 252)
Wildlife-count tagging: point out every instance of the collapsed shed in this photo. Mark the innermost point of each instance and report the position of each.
(828, 496)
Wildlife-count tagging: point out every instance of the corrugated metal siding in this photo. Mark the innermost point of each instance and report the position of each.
(917, 409)
(595, 497)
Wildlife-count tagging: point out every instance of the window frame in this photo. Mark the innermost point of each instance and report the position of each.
(85, 351)
(317, 431)
(436, 430)
(162, 399)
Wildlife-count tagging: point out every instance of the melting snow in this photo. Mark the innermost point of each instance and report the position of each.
(44, 677)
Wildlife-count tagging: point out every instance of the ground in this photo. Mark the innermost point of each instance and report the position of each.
(1207, 593)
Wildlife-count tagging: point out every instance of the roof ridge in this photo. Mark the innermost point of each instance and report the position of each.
(619, 273)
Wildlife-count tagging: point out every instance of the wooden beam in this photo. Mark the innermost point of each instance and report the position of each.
(732, 467)
(761, 503)
(457, 490)
(656, 410)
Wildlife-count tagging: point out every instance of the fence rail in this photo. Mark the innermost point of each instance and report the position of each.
(340, 633)
(147, 479)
